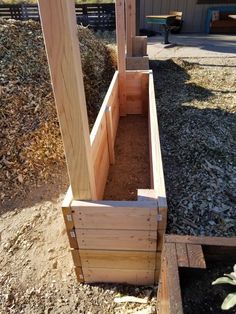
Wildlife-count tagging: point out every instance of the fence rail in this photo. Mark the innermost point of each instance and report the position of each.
(96, 16)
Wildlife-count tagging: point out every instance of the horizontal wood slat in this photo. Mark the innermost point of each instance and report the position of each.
(118, 259)
(126, 276)
(115, 215)
(117, 239)
(195, 256)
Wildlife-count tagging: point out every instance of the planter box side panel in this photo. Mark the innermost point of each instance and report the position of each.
(156, 165)
(137, 92)
(117, 238)
(103, 134)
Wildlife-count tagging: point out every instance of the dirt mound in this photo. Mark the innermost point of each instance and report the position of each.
(31, 142)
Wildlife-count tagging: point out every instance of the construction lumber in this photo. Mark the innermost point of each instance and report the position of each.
(137, 63)
(60, 35)
(130, 25)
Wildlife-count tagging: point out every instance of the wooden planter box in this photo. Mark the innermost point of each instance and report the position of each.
(120, 241)
(190, 252)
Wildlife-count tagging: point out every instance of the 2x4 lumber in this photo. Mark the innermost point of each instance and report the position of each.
(60, 36)
(79, 274)
(120, 37)
(124, 276)
(110, 135)
(118, 259)
(173, 276)
(217, 241)
(182, 255)
(195, 256)
(130, 240)
(76, 257)
(130, 25)
(157, 174)
(115, 215)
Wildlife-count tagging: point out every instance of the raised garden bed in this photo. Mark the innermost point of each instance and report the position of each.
(188, 267)
(118, 238)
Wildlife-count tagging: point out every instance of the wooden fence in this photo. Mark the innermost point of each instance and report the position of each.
(96, 16)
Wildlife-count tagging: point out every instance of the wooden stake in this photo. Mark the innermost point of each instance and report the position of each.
(120, 38)
(62, 46)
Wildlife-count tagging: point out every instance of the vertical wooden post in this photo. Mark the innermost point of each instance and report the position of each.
(120, 38)
(63, 53)
(130, 25)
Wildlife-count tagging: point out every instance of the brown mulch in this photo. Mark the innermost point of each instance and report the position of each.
(31, 145)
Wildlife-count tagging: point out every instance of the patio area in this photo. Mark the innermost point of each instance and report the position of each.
(191, 46)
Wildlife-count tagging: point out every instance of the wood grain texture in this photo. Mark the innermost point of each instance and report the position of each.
(217, 241)
(120, 39)
(76, 257)
(131, 240)
(58, 22)
(130, 25)
(130, 215)
(118, 259)
(125, 276)
(79, 274)
(175, 305)
(182, 254)
(158, 181)
(195, 256)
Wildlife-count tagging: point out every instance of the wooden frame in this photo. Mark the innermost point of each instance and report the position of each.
(111, 241)
(191, 252)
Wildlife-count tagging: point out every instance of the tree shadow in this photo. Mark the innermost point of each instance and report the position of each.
(198, 150)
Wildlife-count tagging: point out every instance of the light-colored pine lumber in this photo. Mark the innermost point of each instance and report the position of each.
(130, 240)
(130, 215)
(125, 276)
(60, 35)
(110, 135)
(121, 49)
(157, 174)
(118, 259)
(76, 257)
(130, 25)
(195, 256)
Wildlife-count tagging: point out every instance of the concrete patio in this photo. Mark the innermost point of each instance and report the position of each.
(191, 46)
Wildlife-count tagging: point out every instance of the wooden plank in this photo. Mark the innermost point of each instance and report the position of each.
(163, 290)
(66, 209)
(195, 256)
(130, 25)
(146, 195)
(124, 276)
(157, 174)
(217, 241)
(182, 254)
(60, 35)
(130, 215)
(76, 258)
(137, 63)
(173, 281)
(131, 240)
(120, 38)
(145, 93)
(110, 135)
(139, 44)
(160, 239)
(118, 259)
(79, 274)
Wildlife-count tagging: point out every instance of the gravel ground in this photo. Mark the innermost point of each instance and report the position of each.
(196, 106)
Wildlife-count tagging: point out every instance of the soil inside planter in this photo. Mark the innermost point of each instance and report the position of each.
(131, 170)
(198, 294)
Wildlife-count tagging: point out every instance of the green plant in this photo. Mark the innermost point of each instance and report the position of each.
(230, 300)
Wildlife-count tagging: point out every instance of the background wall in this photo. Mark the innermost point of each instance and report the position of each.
(194, 14)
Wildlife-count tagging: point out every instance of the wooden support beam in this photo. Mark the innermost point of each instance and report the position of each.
(130, 25)
(120, 38)
(60, 35)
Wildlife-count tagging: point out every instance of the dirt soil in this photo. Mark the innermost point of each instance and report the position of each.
(198, 295)
(131, 169)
